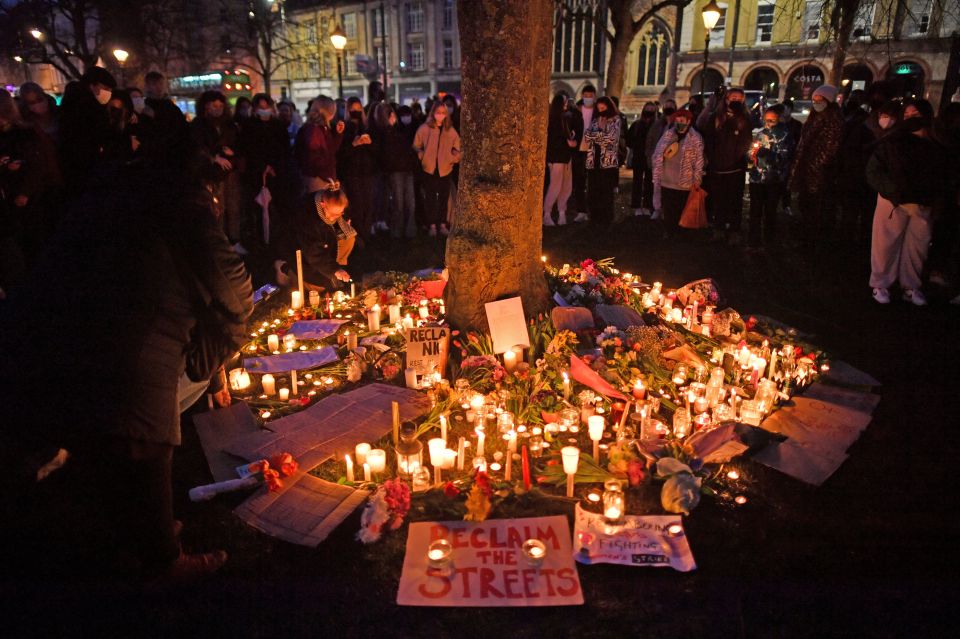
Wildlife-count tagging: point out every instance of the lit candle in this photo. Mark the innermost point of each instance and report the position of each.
(510, 361)
(366, 472)
(273, 342)
(373, 319)
(314, 298)
(773, 364)
(296, 300)
(595, 424)
(571, 460)
(394, 311)
(566, 386)
(424, 309)
(461, 452)
(437, 448)
(353, 289)
(377, 459)
(293, 383)
(449, 459)
(284, 394)
(639, 389)
(239, 379)
(269, 384)
(361, 451)
(443, 428)
(407, 321)
(534, 550)
(349, 469)
(438, 553)
(481, 439)
(289, 341)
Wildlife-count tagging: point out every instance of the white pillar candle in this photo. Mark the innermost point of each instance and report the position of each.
(293, 383)
(571, 460)
(481, 438)
(773, 364)
(273, 342)
(437, 448)
(394, 310)
(269, 384)
(510, 361)
(296, 300)
(424, 309)
(366, 472)
(373, 319)
(284, 394)
(407, 321)
(361, 451)
(300, 276)
(443, 428)
(377, 459)
(461, 452)
(410, 375)
(349, 469)
(449, 459)
(566, 386)
(595, 424)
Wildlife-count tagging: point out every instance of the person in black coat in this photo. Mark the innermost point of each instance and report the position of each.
(138, 287)
(641, 199)
(325, 239)
(398, 161)
(561, 142)
(84, 126)
(216, 140)
(357, 167)
(264, 146)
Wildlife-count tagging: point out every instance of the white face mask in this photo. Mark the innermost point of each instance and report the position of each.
(139, 104)
(885, 121)
(104, 95)
(819, 106)
(264, 114)
(588, 102)
(406, 119)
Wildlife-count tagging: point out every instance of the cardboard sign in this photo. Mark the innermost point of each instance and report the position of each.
(646, 540)
(822, 423)
(487, 566)
(427, 348)
(508, 328)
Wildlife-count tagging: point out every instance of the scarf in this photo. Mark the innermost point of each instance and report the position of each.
(341, 226)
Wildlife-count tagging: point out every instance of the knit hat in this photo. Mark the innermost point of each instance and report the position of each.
(681, 113)
(826, 91)
(98, 75)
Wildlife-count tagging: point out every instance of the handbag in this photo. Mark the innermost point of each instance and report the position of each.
(694, 214)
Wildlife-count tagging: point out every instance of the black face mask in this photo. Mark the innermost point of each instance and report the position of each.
(669, 111)
(915, 124)
(647, 115)
(736, 108)
(356, 115)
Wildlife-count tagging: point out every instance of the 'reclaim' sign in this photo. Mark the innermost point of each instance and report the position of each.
(427, 348)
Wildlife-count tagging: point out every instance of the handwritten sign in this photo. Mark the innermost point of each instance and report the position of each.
(508, 328)
(648, 540)
(822, 423)
(427, 348)
(487, 566)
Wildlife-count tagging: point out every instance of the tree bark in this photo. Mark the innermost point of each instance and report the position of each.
(617, 67)
(841, 22)
(494, 248)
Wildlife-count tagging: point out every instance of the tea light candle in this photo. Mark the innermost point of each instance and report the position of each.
(268, 384)
(361, 451)
(377, 459)
(510, 361)
(284, 394)
(571, 460)
(535, 551)
(394, 313)
(439, 553)
(349, 461)
(373, 319)
(296, 300)
(273, 342)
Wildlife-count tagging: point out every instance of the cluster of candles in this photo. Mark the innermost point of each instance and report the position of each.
(373, 461)
(440, 554)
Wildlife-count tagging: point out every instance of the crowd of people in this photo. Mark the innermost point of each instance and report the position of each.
(864, 168)
(127, 236)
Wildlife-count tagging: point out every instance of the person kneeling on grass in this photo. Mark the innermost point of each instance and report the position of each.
(325, 238)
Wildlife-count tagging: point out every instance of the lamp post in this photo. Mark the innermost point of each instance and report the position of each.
(339, 40)
(121, 55)
(711, 15)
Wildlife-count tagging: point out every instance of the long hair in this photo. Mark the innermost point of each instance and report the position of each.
(557, 117)
(432, 122)
(611, 107)
(8, 109)
(212, 96)
(381, 115)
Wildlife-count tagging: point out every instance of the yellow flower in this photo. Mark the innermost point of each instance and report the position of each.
(478, 505)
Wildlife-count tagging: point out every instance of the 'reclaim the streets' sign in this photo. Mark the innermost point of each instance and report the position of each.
(427, 348)
(487, 565)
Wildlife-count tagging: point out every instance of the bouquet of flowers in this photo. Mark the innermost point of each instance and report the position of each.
(387, 508)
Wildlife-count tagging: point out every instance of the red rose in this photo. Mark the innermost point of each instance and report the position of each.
(285, 462)
(450, 490)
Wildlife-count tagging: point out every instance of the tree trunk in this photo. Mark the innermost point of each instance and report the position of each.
(493, 251)
(842, 21)
(617, 67)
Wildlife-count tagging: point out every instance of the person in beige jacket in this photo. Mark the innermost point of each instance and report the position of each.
(438, 146)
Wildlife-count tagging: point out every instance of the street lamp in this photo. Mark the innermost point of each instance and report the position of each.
(339, 40)
(121, 55)
(711, 16)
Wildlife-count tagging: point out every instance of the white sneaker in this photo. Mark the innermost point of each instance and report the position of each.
(914, 296)
(656, 215)
(382, 226)
(444, 231)
(548, 220)
(637, 212)
(239, 249)
(646, 212)
(881, 295)
(562, 220)
(433, 230)
(582, 217)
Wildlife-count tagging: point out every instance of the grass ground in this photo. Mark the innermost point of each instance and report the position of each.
(867, 554)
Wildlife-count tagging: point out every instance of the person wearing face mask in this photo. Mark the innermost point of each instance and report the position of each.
(169, 123)
(814, 166)
(655, 133)
(398, 162)
(677, 168)
(122, 145)
(603, 161)
(582, 118)
(770, 159)
(315, 148)
(84, 127)
(216, 142)
(561, 141)
(243, 110)
(357, 166)
(908, 171)
(725, 127)
(641, 200)
(39, 109)
(263, 146)
(437, 145)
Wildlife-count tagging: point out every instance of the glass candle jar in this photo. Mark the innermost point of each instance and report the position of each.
(409, 450)
(614, 503)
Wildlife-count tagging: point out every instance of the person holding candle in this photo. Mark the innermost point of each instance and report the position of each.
(325, 238)
(155, 291)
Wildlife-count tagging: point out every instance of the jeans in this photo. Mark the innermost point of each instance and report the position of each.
(404, 204)
(436, 190)
(600, 186)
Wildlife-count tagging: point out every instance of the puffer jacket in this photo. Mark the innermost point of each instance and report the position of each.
(608, 139)
(816, 158)
(691, 166)
(771, 155)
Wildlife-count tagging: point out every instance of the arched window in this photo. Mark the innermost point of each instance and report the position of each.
(652, 56)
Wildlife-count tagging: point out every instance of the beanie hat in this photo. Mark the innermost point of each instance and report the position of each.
(681, 113)
(826, 91)
(98, 75)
